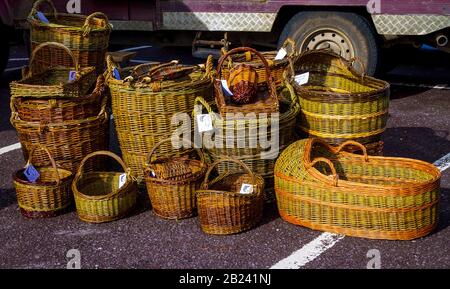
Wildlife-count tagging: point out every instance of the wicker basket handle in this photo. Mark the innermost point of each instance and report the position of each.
(102, 153)
(330, 164)
(201, 101)
(288, 85)
(36, 6)
(209, 67)
(289, 42)
(54, 44)
(354, 143)
(87, 23)
(361, 63)
(52, 160)
(199, 152)
(243, 50)
(204, 185)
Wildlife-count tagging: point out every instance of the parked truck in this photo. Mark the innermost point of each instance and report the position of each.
(348, 27)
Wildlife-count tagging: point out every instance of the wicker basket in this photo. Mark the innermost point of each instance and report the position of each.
(277, 67)
(242, 82)
(174, 197)
(370, 197)
(338, 103)
(222, 209)
(87, 37)
(49, 196)
(98, 197)
(57, 110)
(143, 111)
(68, 142)
(265, 101)
(53, 81)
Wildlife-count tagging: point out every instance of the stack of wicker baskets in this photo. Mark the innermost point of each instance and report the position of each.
(86, 36)
(338, 103)
(143, 107)
(50, 110)
(257, 140)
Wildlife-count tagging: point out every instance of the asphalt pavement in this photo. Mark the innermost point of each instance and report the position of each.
(418, 127)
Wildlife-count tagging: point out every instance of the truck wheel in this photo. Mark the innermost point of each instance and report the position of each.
(347, 34)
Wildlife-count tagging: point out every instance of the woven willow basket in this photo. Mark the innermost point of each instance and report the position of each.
(57, 110)
(277, 67)
(86, 36)
(175, 198)
(265, 100)
(49, 196)
(324, 188)
(98, 196)
(69, 141)
(143, 111)
(222, 209)
(338, 103)
(54, 80)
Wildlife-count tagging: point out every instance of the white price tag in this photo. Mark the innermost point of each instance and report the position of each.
(225, 88)
(122, 180)
(204, 122)
(281, 54)
(246, 189)
(302, 78)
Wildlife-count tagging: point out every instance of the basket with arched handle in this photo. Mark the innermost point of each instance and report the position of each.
(54, 80)
(50, 195)
(172, 182)
(86, 36)
(101, 196)
(222, 208)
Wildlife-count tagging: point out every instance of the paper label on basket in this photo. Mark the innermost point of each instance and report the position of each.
(246, 189)
(122, 180)
(72, 75)
(225, 88)
(281, 54)
(204, 123)
(42, 17)
(31, 173)
(302, 78)
(116, 73)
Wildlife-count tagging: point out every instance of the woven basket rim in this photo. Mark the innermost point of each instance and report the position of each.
(129, 184)
(195, 177)
(19, 180)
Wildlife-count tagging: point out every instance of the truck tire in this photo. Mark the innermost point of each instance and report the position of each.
(347, 34)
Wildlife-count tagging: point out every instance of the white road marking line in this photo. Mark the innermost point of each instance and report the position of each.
(439, 86)
(443, 163)
(325, 241)
(19, 59)
(9, 148)
(309, 252)
(141, 61)
(135, 48)
(12, 69)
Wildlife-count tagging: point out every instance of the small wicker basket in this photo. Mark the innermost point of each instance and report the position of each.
(172, 182)
(222, 208)
(49, 196)
(98, 195)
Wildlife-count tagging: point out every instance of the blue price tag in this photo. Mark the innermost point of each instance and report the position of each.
(116, 73)
(31, 173)
(42, 17)
(72, 75)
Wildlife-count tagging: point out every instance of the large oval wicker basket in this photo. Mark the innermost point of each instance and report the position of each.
(324, 188)
(338, 103)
